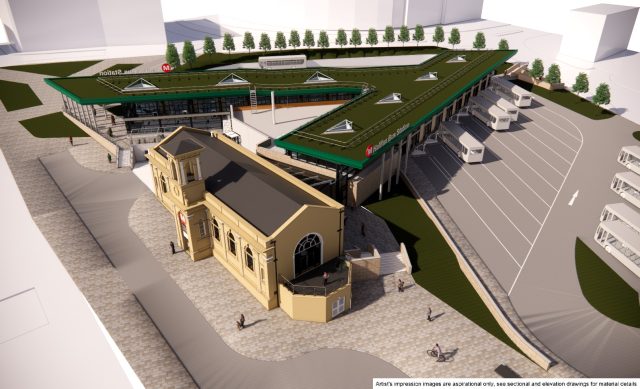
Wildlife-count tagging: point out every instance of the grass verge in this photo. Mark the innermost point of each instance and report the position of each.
(569, 100)
(637, 135)
(58, 69)
(54, 125)
(122, 67)
(219, 59)
(16, 95)
(435, 266)
(606, 291)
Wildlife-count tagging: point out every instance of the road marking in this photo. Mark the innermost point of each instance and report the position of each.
(448, 177)
(528, 132)
(552, 204)
(496, 178)
(555, 125)
(516, 155)
(573, 198)
(537, 155)
(516, 175)
(553, 136)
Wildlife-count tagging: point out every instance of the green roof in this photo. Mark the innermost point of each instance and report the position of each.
(377, 126)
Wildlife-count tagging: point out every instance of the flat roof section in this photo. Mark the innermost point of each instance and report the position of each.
(605, 9)
(249, 188)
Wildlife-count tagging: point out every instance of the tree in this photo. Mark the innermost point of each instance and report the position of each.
(208, 48)
(356, 38)
(602, 96)
(438, 35)
(188, 53)
(341, 38)
(537, 69)
(323, 40)
(480, 41)
(389, 35)
(247, 42)
(309, 39)
(582, 84)
(403, 36)
(227, 43)
(172, 56)
(503, 44)
(294, 39)
(372, 37)
(280, 42)
(454, 37)
(265, 42)
(418, 34)
(553, 74)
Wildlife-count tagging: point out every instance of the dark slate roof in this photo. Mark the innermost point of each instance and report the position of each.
(258, 195)
(181, 147)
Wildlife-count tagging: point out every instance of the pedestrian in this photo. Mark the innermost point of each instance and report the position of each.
(325, 278)
(71, 140)
(173, 247)
(400, 285)
(240, 323)
(362, 231)
(429, 314)
(438, 351)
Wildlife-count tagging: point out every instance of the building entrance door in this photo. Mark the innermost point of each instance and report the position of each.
(308, 254)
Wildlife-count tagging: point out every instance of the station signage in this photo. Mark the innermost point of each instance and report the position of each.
(116, 72)
(166, 67)
(371, 149)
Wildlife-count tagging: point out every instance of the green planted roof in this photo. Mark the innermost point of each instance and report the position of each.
(375, 126)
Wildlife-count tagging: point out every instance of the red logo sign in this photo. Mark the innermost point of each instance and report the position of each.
(166, 67)
(369, 151)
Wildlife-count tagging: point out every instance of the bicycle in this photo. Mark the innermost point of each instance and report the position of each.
(434, 353)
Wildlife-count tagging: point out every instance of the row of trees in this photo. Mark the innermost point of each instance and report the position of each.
(581, 85)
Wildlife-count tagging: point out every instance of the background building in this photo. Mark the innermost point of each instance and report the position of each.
(598, 31)
(36, 25)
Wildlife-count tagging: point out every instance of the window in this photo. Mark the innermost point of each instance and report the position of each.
(163, 182)
(231, 240)
(337, 307)
(202, 226)
(249, 257)
(216, 230)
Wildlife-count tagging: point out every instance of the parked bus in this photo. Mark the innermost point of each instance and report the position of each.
(501, 103)
(510, 91)
(630, 157)
(619, 234)
(627, 185)
(466, 147)
(489, 114)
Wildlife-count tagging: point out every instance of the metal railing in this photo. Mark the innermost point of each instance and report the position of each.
(305, 289)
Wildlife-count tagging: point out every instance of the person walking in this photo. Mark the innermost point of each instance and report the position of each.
(400, 285)
(240, 323)
(71, 140)
(173, 247)
(429, 314)
(325, 278)
(438, 351)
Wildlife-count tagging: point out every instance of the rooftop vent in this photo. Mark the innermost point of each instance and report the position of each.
(138, 85)
(431, 76)
(391, 99)
(319, 77)
(344, 127)
(232, 79)
(458, 58)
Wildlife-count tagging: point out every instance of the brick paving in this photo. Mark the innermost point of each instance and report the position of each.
(383, 322)
(134, 333)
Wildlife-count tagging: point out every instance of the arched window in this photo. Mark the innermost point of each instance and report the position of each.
(216, 230)
(249, 257)
(308, 253)
(232, 243)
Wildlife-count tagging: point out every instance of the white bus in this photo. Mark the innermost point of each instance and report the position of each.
(510, 91)
(466, 147)
(619, 234)
(627, 185)
(501, 103)
(489, 114)
(283, 62)
(630, 157)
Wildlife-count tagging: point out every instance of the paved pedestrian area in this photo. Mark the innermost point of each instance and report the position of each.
(376, 231)
(383, 322)
(136, 336)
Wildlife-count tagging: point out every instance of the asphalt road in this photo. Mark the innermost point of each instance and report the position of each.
(103, 202)
(514, 209)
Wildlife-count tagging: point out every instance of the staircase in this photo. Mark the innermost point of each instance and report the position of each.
(253, 98)
(124, 157)
(391, 263)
